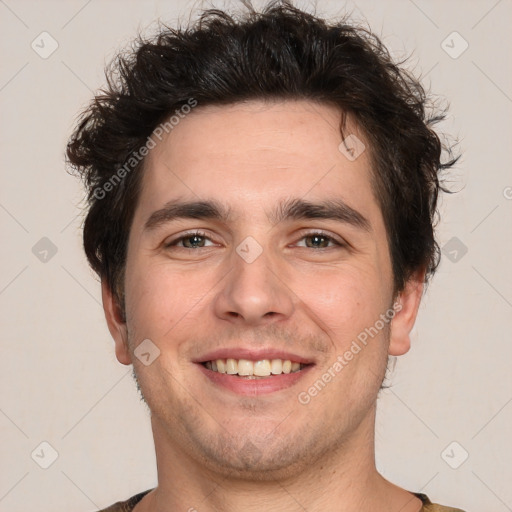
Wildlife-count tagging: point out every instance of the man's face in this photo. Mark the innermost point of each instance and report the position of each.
(268, 282)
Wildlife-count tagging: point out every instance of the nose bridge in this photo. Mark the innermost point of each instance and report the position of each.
(253, 292)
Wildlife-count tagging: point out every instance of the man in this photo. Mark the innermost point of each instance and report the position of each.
(261, 201)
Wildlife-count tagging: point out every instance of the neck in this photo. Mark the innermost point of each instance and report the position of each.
(345, 479)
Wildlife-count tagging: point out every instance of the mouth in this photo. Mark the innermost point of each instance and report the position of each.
(256, 375)
(247, 369)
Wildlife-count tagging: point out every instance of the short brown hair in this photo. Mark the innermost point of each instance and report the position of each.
(279, 53)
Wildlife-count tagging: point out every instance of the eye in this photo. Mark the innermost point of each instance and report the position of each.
(320, 240)
(194, 240)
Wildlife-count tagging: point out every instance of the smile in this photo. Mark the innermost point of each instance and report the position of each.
(254, 369)
(253, 377)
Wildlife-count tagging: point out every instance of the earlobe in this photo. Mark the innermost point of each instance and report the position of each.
(116, 323)
(406, 310)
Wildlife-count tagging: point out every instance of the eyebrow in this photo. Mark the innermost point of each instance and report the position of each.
(329, 209)
(174, 210)
(290, 209)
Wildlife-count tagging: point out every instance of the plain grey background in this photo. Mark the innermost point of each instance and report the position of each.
(443, 427)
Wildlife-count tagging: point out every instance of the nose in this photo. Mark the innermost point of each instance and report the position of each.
(254, 292)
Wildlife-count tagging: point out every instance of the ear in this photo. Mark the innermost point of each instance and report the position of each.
(116, 323)
(406, 309)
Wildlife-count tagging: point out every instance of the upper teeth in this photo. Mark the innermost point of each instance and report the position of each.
(245, 367)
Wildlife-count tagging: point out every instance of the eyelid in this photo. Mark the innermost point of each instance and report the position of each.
(188, 234)
(326, 234)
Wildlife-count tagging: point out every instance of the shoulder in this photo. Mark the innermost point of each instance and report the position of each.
(126, 506)
(428, 506)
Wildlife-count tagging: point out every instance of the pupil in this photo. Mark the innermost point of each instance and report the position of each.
(316, 238)
(194, 239)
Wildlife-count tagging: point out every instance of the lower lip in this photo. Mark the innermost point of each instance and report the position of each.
(251, 387)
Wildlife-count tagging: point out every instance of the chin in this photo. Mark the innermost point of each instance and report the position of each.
(250, 458)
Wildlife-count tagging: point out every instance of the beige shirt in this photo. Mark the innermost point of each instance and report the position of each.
(129, 505)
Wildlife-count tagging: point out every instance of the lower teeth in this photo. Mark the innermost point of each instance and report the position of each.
(252, 376)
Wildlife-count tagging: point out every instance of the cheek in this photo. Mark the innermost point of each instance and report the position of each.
(159, 300)
(344, 300)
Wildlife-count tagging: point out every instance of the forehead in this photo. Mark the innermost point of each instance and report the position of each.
(250, 153)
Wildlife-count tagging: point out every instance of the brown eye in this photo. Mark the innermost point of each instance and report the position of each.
(193, 241)
(319, 241)
(196, 240)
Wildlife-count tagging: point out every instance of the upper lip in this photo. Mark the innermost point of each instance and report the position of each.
(252, 354)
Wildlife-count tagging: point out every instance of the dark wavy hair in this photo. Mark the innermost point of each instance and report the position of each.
(278, 53)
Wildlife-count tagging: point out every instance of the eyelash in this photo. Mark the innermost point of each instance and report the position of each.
(201, 234)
